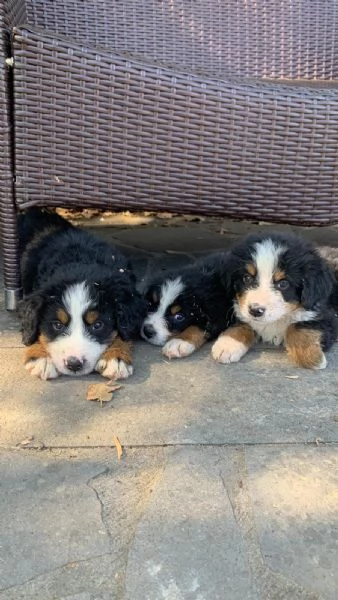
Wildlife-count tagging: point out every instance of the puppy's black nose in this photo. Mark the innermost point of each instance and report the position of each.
(74, 364)
(256, 311)
(148, 331)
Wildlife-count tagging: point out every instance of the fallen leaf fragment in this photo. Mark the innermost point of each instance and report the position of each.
(118, 447)
(101, 392)
(335, 418)
(291, 376)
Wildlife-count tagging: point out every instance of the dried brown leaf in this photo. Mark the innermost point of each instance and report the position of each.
(118, 446)
(101, 392)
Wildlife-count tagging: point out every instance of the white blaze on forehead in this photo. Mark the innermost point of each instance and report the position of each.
(170, 290)
(266, 258)
(76, 300)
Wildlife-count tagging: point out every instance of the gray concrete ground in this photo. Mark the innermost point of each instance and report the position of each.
(228, 484)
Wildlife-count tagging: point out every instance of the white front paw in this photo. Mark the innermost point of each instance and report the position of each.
(177, 348)
(322, 364)
(228, 350)
(43, 368)
(114, 368)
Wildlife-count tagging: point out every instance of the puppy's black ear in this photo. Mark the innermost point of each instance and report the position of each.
(131, 311)
(152, 294)
(229, 268)
(318, 281)
(29, 311)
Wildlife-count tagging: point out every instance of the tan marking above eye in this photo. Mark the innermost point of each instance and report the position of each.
(176, 308)
(251, 269)
(62, 316)
(154, 296)
(278, 276)
(91, 316)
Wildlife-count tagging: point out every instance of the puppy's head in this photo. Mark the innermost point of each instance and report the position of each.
(278, 276)
(76, 322)
(171, 309)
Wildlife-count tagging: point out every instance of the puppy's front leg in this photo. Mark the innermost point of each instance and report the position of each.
(185, 343)
(233, 343)
(116, 360)
(38, 362)
(303, 346)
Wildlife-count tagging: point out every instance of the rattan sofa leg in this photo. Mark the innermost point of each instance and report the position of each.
(12, 298)
(11, 259)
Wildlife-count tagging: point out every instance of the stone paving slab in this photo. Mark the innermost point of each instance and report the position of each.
(68, 519)
(43, 505)
(294, 493)
(188, 545)
(201, 523)
(188, 401)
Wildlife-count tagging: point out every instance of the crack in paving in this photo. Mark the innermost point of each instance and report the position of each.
(92, 487)
(21, 590)
(123, 504)
(42, 447)
(271, 585)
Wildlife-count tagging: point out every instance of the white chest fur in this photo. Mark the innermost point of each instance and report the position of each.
(274, 333)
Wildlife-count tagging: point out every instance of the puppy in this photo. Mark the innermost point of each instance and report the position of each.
(187, 307)
(81, 308)
(282, 292)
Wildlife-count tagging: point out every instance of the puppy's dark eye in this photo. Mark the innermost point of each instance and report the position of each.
(58, 326)
(247, 278)
(97, 326)
(179, 317)
(283, 284)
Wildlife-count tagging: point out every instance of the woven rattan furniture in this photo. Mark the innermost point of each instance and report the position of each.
(221, 107)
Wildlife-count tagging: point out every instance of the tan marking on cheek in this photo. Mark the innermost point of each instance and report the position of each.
(120, 350)
(242, 300)
(91, 316)
(303, 347)
(290, 307)
(192, 334)
(241, 333)
(278, 275)
(62, 316)
(176, 308)
(37, 350)
(251, 269)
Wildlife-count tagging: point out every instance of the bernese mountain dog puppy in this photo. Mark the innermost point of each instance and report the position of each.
(188, 306)
(81, 308)
(283, 294)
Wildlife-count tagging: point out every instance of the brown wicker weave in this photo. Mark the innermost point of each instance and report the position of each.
(221, 107)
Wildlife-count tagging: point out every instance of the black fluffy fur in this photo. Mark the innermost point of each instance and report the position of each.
(55, 255)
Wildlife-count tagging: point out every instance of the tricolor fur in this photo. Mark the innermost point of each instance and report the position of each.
(187, 307)
(282, 291)
(81, 307)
